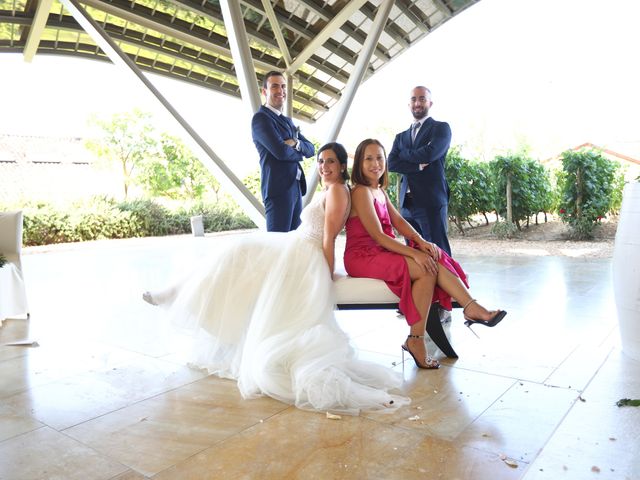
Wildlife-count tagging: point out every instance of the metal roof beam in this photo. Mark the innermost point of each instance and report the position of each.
(406, 7)
(299, 28)
(355, 80)
(207, 44)
(172, 29)
(207, 156)
(443, 7)
(392, 30)
(334, 24)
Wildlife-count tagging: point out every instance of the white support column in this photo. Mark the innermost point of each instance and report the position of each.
(289, 105)
(252, 207)
(359, 70)
(37, 27)
(277, 31)
(242, 62)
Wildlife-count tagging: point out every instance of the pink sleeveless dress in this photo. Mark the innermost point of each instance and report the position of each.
(363, 257)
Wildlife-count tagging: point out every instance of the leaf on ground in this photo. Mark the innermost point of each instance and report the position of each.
(627, 402)
(414, 418)
(511, 463)
(331, 416)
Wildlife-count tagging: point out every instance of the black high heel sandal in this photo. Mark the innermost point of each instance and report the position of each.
(497, 318)
(431, 363)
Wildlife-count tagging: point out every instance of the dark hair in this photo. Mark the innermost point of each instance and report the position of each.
(357, 178)
(268, 75)
(341, 154)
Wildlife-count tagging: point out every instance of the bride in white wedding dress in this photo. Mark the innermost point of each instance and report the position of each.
(260, 311)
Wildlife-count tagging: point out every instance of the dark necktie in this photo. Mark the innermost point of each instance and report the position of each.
(414, 131)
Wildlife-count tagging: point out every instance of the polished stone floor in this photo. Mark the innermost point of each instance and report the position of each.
(104, 396)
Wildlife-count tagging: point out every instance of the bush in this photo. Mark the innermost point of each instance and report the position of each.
(531, 190)
(504, 229)
(102, 218)
(470, 188)
(220, 218)
(44, 225)
(150, 218)
(587, 185)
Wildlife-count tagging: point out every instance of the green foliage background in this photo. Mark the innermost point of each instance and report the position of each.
(175, 186)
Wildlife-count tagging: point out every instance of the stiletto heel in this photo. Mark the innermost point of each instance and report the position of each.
(468, 321)
(430, 362)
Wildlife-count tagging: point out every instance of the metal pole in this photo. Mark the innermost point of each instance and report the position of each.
(241, 53)
(355, 80)
(207, 156)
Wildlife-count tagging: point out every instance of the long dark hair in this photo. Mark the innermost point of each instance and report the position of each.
(341, 154)
(357, 178)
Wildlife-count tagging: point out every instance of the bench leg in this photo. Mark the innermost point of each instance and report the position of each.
(436, 332)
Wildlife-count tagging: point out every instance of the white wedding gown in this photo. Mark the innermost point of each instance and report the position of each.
(260, 310)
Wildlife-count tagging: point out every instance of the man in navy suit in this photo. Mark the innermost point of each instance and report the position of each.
(281, 148)
(419, 155)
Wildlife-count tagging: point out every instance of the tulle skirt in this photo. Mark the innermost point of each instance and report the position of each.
(260, 310)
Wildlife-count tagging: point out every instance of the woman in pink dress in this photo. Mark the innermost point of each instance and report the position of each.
(420, 274)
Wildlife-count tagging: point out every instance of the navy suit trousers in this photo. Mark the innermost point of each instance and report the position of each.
(283, 211)
(431, 223)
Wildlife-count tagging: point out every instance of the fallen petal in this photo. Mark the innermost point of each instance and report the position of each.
(511, 463)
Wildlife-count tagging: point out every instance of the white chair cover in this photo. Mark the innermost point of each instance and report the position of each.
(361, 291)
(13, 296)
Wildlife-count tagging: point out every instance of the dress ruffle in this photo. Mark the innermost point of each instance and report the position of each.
(260, 310)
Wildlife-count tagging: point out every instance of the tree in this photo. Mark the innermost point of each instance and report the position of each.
(470, 188)
(128, 140)
(175, 172)
(587, 190)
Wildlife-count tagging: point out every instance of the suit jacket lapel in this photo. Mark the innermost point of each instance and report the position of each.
(280, 119)
(424, 129)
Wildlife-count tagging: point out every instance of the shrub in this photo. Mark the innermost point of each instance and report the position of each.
(44, 225)
(102, 218)
(470, 188)
(150, 218)
(219, 218)
(529, 183)
(586, 189)
(504, 229)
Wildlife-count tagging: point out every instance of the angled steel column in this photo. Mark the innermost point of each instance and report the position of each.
(289, 105)
(252, 207)
(355, 80)
(37, 27)
(241, 53)
(277, 31)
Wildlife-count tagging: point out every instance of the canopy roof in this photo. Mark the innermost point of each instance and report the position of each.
(316, 41)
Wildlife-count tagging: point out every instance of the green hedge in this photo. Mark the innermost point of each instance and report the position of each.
(587, 189)
(102, 218)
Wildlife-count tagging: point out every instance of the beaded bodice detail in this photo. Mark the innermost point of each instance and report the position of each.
(312, 217)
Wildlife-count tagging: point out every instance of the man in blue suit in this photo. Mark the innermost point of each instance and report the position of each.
(281, 147)
(419, 155)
